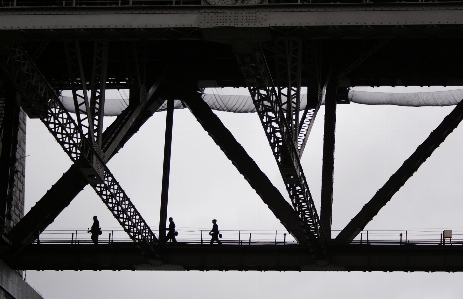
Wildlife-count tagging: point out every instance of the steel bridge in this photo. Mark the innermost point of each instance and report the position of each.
(170, 50)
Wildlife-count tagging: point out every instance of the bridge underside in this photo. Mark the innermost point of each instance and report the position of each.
(126, 256)
(164, 54)
(400, 62)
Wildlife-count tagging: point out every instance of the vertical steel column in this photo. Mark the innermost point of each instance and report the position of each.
(8, 146)
(98, 89)
(166, 170)
(328, 160)
(78, 82)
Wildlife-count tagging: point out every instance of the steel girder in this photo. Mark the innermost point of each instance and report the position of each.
(289, 53)
(89, 111)
(288, 61)
(326, 206)
(245, 165)
(166, 170)
(44, 212)
(70, 137)
(98, 89)
(400, 177)
(269, 108)
(168, 16)
(126, 256)
(314, 97)
(81, 102)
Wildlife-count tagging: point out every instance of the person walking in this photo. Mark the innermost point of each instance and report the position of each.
(95, 230)
(171, 233)
(214, 233)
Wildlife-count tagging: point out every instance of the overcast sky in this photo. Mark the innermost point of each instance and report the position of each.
(371, 143)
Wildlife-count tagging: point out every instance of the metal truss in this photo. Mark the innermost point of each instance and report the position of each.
(364, 57)
(98, 88)
(289, 66)
(89, 111)
(39, 50)
(68, 134)
(280, 137)
(314, 98)
(78, 82)
(60, 195)
(288, 61)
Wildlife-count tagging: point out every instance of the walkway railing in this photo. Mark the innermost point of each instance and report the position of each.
(185, 236)
(408, 237)
(259, 237)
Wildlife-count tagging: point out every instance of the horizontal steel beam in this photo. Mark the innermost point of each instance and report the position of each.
(397, 14)
(126, 256)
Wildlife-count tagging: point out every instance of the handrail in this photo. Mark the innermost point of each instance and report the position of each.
(190, 236)
(258, 237)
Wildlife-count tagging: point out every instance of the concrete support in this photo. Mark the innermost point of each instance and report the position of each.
(12, 160)
(13, 286)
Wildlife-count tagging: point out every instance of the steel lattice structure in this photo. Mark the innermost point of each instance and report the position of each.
(170, 51)
(281, 137)
(78, 148)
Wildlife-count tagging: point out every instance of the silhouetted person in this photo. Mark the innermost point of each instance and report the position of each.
(95, 230)
(171, 232)
(215, 232)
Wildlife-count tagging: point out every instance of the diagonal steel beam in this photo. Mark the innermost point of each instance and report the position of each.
(44, 212)
(245, 165)
(131, 120)
(70, 137)
(314, 97)
(307, 121)
(400, 177)
(262, 90)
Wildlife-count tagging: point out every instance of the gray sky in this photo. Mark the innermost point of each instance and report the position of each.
(371, 143)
